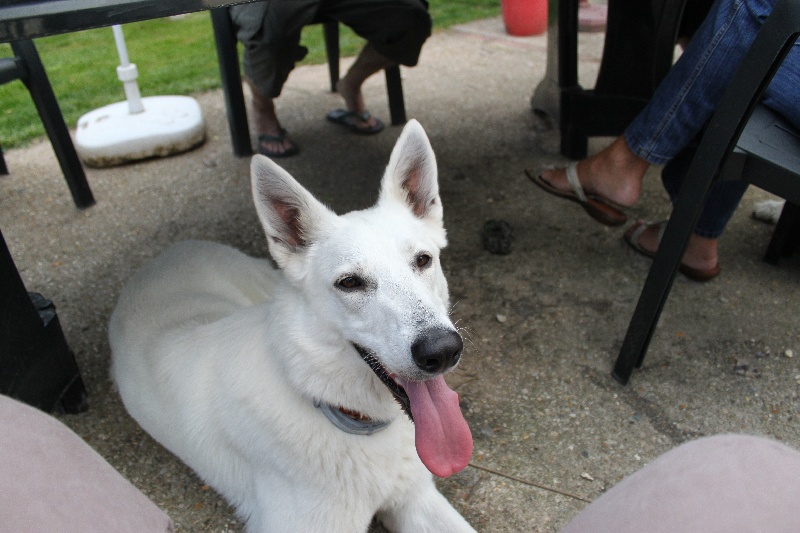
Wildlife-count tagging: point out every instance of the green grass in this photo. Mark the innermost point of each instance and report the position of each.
(173, 56)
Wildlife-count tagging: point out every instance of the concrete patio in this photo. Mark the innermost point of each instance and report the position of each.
(544, 324)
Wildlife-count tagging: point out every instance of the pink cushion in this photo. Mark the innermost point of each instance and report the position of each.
(51, 480)
(717, 484)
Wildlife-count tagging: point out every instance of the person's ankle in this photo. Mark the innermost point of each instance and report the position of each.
(265, 121)
(621, 155)
(701, 252)
(352, 97)
(617, 173)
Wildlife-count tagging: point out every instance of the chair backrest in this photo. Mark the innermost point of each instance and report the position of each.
(759, 65)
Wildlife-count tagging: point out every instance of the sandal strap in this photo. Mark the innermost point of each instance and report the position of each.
(363, 116)
(641, 228)
(572, 178)
(644, 226)
(279, 138)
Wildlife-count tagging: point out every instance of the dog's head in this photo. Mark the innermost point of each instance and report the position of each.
(376, 279)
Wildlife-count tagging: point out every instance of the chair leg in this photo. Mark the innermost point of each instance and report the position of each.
(653, 297)
(231, 77)
(394, 88)
(50, 113)
(3, 166)
(785, 237)
(574, 142)
(331, 32)
(698, 181)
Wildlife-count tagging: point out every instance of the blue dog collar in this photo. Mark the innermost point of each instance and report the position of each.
(349, 423)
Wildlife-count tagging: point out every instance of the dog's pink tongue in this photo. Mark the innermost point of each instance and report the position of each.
(443, 439)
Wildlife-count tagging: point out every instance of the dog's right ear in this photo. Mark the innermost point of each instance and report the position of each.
(291, 216)
(411, 176)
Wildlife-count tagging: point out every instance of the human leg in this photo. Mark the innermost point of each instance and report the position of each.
(701, 258)
(725, 196)
(592, 18)
(700, 261)
(782, 93)
(680, 107)
(690, 92)
(368, 62)
(395, 31)
(270, 34)
(273, 140)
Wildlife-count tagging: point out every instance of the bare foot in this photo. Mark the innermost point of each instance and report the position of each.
(701, 253)
(615, 173)
(273, 140)
(368, 62)
(354, 101)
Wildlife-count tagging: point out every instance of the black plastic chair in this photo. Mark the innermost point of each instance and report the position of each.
(732, 147)
(230, 73)
(786, 237)
(27, 67)
(36, 363)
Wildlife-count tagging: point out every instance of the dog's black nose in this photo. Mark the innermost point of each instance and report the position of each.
(437, 350)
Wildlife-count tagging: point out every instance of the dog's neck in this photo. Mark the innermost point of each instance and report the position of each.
(351, 422)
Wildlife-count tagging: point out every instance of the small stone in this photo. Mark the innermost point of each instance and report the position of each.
(789, 353)
(502, 318)
(586, 475)
(497, 237)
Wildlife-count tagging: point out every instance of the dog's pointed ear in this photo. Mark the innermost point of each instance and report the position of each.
(411, 176)
(291, 216)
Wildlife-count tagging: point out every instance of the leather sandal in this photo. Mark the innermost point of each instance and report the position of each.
(632, 238)
(599, 207)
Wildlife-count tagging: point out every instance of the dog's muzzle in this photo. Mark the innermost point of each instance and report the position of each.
(435, 352)
(397, 391)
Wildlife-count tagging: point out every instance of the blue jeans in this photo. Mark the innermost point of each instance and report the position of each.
(690, 93)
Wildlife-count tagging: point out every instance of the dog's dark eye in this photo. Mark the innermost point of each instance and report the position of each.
(349, 283)
(423, 260)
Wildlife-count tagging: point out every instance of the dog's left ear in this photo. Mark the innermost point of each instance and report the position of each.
(411, 176)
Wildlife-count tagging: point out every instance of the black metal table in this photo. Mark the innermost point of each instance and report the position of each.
(29, 19)
(36, 363)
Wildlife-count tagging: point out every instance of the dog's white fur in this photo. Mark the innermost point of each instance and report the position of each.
(220, 357)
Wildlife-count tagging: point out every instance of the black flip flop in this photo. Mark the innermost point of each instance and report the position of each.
(279, 138)
(348, 119)
(599, 208)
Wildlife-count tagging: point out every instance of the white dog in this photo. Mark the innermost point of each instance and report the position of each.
(283, 388)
